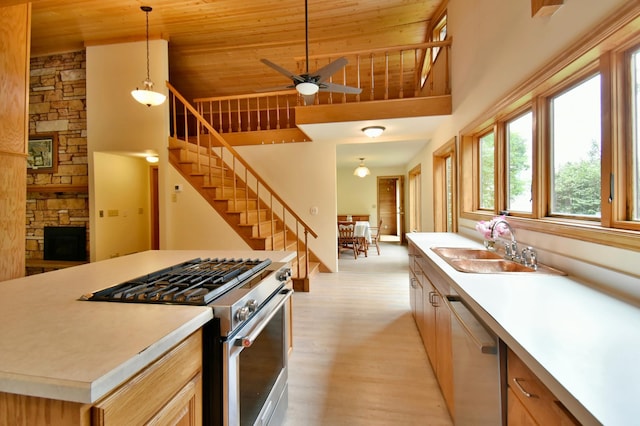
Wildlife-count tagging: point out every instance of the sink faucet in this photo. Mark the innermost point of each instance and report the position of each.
(510, 250)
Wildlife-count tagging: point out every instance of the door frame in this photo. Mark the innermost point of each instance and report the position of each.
(399, 203)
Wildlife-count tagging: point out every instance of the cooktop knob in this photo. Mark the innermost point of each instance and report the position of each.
(284, 274)
(243, 313)
(252, 305)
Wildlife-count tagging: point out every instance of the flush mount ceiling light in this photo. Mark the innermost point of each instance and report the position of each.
(147, 96)
(152, 159)
(361, 170)
(373, 131)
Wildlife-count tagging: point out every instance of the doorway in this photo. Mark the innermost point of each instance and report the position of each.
(390, 193)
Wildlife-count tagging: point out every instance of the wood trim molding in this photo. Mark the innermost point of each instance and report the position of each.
(545, 7)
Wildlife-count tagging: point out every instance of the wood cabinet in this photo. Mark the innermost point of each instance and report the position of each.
(435, 322)
(529, 401)
(169, 391)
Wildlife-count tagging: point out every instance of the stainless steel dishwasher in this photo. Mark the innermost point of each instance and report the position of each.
(476, 369)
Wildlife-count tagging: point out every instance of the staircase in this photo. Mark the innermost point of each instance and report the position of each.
(236, 191)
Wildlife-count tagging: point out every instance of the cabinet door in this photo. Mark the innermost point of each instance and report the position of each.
(517, 415)
(184, 409)
(418, 303)
(170, 387)
(429, 336)
(543, 406)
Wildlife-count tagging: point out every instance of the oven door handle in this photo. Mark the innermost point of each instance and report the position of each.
(248, 340)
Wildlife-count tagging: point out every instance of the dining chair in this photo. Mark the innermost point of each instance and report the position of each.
(375, 235)
(347, 238)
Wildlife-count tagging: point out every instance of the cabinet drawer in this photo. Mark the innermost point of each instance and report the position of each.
(536, 398)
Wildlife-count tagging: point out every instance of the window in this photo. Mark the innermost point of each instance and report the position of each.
(439, 33)
(487, 171)
(415, 199)
(564, 153)
(575, 150)
(444, 188)
(520, 163)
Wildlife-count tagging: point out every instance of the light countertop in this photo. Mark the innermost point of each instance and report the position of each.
(55, 346)
(583, 344)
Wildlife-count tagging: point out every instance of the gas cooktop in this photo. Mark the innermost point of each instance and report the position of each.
(194, 282)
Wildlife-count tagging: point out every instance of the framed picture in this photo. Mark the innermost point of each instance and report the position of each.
(43, 154)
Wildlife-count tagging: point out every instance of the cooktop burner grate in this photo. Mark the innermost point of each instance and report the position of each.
(195, 282)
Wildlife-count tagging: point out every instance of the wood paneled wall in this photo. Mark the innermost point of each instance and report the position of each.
(15, 29)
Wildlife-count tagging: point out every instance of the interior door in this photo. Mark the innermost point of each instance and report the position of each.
(391, 205)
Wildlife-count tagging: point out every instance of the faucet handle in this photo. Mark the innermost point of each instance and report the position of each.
(529, 257)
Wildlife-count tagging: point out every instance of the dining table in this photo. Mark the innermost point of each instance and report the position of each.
(362, 229)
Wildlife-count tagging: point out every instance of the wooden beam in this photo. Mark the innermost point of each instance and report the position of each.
(545, 7)
(374, 110)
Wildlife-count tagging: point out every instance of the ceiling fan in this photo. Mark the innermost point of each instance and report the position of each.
(308, 84)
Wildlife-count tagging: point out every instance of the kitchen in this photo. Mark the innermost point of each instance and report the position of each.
(622, 259)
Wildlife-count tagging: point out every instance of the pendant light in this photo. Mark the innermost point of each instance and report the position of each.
(147, 96)
(361, 170)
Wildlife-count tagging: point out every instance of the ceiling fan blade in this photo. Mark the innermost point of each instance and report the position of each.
(274, 89)
(339, 88)
(330, 69)
(281, 70)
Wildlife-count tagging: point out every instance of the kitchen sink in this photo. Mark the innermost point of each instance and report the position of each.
(480, 261)
(488, 266)
(465, 253)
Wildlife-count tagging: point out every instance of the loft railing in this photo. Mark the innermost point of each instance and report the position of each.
(222, 164)
(416, 70)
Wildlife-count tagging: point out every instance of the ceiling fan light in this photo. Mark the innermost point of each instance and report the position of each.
(373, 131)
(307, 88)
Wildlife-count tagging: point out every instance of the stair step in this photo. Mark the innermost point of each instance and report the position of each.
(250, 216)
(226, 193)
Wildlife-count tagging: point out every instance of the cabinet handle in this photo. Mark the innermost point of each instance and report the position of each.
(433, 299)
(519, 386)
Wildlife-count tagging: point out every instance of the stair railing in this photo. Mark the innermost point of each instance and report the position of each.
(224, 164)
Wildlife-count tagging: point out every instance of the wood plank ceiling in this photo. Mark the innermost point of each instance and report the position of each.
(215, 46)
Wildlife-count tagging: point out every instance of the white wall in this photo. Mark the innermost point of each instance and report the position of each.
(121, 203)
(359, 195)
(196, 225)
(304, 174)
(496, 46)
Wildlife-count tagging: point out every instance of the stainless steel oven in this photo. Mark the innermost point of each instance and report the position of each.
(245, 345)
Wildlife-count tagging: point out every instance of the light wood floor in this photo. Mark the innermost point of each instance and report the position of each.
(358, 358)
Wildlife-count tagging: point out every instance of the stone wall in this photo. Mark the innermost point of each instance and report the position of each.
(57, 105)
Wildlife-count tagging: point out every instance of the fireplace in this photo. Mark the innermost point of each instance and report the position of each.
(65, 243)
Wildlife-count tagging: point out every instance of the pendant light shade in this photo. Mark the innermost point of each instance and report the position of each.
(147, 96)
(361, 170)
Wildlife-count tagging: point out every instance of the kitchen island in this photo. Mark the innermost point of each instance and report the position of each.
(581, 343)
(57, 347)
